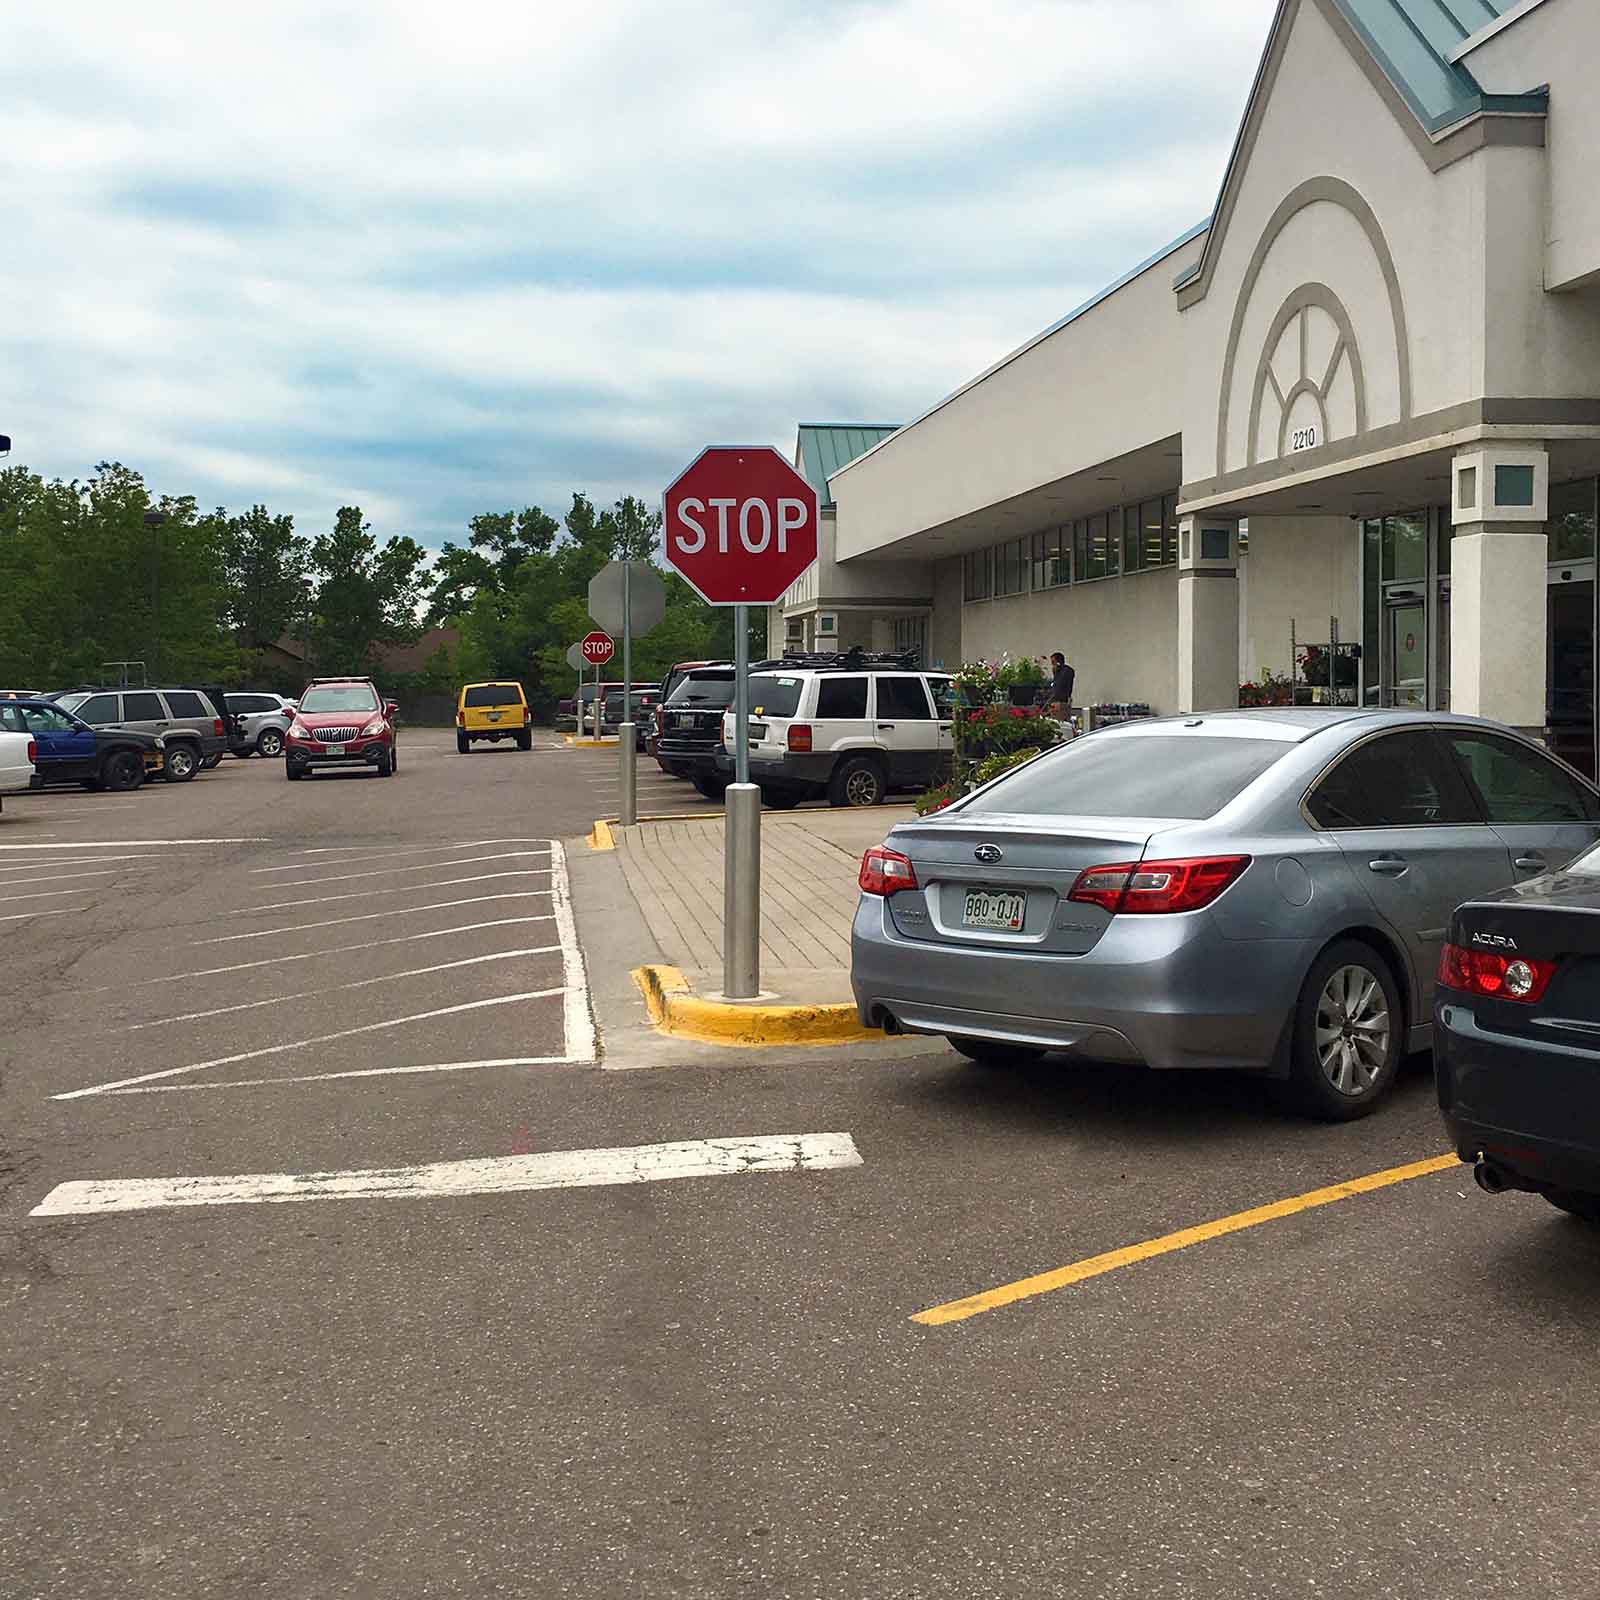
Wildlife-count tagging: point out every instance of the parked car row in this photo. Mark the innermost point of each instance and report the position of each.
(1306, 894)
(850, 728)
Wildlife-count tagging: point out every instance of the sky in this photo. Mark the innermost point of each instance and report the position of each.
(442, 259)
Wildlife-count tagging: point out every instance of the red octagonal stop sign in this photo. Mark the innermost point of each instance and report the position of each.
(740, 525)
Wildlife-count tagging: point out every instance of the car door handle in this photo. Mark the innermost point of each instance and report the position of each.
(885, 725)
(1389, 866)
(1532, 864)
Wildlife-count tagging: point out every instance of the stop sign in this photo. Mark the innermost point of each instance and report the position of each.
(598, 648)
(740, 525)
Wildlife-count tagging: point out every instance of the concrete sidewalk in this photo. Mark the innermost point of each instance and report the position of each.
(809, 862)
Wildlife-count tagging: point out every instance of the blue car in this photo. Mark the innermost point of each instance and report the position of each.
(71, 751)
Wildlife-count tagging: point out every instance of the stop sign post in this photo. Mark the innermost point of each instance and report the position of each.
(740, 526)
(596, 648)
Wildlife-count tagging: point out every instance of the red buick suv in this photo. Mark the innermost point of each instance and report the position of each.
(342, 722)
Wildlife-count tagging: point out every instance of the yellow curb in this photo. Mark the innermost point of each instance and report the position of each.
(589, 744)
(676, 1010)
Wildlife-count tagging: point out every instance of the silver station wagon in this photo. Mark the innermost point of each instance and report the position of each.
(1266, 890)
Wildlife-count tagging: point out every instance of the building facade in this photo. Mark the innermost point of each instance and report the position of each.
(1348, 430)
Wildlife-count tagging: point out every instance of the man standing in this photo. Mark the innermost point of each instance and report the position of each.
(1060, 691)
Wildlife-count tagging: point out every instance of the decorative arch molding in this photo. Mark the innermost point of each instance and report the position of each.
(1335, 191)
(1317, 385)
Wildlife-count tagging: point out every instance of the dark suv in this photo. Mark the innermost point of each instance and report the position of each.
(689, 727)
(190, 725)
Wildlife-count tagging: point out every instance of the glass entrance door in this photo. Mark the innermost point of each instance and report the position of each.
(1406, 655)
(1569, 714)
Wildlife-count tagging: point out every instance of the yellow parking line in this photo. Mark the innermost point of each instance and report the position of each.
(1062, 1277)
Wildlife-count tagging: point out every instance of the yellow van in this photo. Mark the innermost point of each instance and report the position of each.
(493, 711)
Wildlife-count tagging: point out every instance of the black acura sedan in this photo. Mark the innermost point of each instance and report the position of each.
(1517, 1037)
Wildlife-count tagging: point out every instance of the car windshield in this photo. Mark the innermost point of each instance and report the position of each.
(339, 697)
(1148, 775)
(712, 690)
(774, 694)
(71, 702)
(493, 694)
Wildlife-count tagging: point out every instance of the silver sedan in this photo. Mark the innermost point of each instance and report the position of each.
(1266, 890)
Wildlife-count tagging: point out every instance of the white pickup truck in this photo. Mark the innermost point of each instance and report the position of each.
(16, 762)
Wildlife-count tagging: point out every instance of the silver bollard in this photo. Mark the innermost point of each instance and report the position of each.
(627, 786)
(741, 893)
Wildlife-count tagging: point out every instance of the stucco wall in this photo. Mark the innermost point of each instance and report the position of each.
(1119, 635)
(1099, 387)
(1302, 568)
(1324, 120)
(945, 643)
(877, 580)
(1557, 43)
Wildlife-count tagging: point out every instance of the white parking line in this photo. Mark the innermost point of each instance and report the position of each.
(349, 1072)
(389, 872)
(61, 877)
(22, 916)
(578, 1020)
(337, 988)
(561, 1169)
(301, 1044)
(45, 866)
(367, 894)
(317, 955)
(47, 894)
(370, 916)
(358, 852)
(136, 844)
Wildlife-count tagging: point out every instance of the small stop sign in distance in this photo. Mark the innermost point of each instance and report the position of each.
(598, 648)
(740, 525)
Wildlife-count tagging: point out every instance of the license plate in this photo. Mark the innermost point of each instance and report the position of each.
(994, 908)
(494, 716)
(333, 749)
(758, 730)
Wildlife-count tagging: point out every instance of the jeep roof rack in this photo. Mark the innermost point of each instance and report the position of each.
(855, 660)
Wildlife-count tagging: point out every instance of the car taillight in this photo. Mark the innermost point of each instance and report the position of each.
(217, 728)
(33, 750)
(800, 738)
(1149, 887)
(1500, 977)
(461, 719)
(885, 871)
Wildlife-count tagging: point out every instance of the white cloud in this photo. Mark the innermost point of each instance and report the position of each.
(443, 259)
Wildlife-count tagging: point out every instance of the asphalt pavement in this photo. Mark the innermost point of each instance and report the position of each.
(340, 1256)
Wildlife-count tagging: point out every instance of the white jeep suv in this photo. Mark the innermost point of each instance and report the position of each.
(852, 731)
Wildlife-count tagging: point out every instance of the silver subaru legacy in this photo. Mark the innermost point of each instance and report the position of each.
(1266, 890)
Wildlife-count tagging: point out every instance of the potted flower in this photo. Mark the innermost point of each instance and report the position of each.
(1021, 678)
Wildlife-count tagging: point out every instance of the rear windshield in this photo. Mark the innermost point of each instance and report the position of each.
(339, 697)
(774, 695)
(1588, 863)
(494, 694)
(711, 690)
(1149, 776)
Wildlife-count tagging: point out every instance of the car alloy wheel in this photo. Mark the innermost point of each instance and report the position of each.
(1352, 1030)
(181, 764)
(270, 744)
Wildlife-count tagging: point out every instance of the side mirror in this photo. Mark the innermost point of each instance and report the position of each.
(391, 709)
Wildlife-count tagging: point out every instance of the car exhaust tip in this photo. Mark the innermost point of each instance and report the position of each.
(885, 1019)
(1491, 1179)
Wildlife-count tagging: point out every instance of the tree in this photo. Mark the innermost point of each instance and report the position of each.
(367, 595)
(264, 563)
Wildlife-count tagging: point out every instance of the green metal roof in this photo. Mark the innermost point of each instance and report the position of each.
(1413, 40)
(827, 446)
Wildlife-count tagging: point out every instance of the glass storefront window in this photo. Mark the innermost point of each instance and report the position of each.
(1572, 521)
(1371, 610)
(1405, 547)
(1132, 540)
(1169, 530)
(1097, 547)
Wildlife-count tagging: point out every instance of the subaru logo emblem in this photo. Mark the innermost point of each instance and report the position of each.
(988, 852)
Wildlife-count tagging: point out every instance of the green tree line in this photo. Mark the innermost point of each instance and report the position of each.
(103, 571)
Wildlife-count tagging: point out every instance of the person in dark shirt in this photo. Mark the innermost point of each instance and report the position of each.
(1059, 694)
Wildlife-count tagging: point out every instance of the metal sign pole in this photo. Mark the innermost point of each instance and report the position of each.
(627, 806)
(741, 862)
(596, 707)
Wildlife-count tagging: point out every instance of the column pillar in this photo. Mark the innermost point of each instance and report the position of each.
(1498, 618)
(1208, 613)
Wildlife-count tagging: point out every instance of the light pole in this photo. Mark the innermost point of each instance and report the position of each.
(154, 520)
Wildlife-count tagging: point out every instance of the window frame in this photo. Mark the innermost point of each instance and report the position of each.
(162, 715)
(879, 679)
(1541, 760)
(825, 680)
